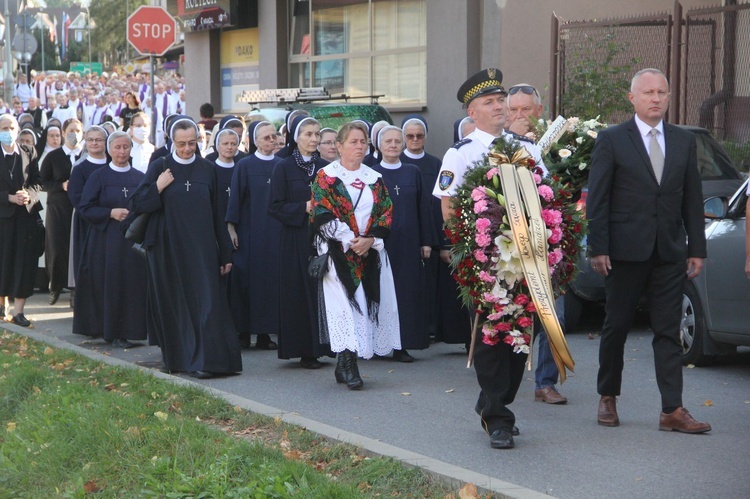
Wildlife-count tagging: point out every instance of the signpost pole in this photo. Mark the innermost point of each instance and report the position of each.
(153, 101)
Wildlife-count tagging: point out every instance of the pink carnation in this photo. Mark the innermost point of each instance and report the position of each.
(525, 322)
(480, 256)
(556, 235)
(483, 224)
(551, 217)
(486, 277)
(537, 178)
(509, 340)
(480, 206)
(521, 299)
(478, 193)
(546, 193)
(490, 340)
(496, 316)
(483, 240)
(489, 298)
(502, 327)
(491, 173)
(555, 257)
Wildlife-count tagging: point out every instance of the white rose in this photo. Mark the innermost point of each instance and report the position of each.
(593, 134)
(564, 153)
(579, 140)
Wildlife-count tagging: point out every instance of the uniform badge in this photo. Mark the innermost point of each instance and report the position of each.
(446, 179)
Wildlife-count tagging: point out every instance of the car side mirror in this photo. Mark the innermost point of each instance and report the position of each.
(715, 207)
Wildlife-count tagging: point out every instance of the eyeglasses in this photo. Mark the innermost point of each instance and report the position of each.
(411, 136)
(94, 141)
(327, 143)
(181, 145)
(527, 89)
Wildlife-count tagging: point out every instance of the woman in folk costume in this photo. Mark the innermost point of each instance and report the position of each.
(352, 215)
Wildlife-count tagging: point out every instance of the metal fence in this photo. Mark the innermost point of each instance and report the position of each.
(705, 54)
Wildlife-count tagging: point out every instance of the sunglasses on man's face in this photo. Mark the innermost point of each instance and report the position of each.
(527, 89)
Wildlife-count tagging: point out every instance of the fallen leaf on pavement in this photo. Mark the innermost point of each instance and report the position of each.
(48, 351)
(708, 403)
(451, 390)
(405, 394)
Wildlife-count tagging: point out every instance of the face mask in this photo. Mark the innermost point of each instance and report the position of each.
(140, 132)
(7, 138)
(72, 138)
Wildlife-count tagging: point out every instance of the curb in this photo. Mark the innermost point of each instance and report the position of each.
(441, 471)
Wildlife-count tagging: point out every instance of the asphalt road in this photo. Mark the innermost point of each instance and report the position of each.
(427, 407)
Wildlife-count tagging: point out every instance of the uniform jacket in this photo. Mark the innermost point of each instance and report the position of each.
(629, 212)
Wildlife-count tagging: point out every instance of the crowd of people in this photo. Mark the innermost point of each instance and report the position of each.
(235, 212)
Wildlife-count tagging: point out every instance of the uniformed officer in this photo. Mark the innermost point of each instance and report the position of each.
(499, 370)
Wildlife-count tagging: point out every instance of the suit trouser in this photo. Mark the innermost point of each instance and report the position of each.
(664, 283)
(499, 373)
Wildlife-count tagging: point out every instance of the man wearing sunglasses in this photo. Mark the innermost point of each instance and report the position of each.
(523, 102)
(524, 109)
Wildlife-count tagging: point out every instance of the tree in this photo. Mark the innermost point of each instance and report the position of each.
(597, 79)
(109, 37)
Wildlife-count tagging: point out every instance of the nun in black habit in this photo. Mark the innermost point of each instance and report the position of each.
(55, 172)
(291, 204)
(289, 144)
(254, 281)
(95, 158)
(111, 281)
(225, 163)
(448, 320)
(229, 122)
(410, 240)
(188, 250)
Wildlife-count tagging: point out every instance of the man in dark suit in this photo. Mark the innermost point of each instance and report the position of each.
(644, 199)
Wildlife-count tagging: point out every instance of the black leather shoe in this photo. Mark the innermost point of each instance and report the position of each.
(245, 341)
(123, 344)
(353, 379)
(515, 431)
(21, 320)
(310, 363)
(501, 439)
(402, 356)
(53, 297)
(201, 374)
(264, 343)
(340, 371)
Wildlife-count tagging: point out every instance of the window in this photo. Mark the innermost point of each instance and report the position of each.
(361, 47)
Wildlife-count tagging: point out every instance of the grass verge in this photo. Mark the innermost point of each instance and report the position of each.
(72, 427)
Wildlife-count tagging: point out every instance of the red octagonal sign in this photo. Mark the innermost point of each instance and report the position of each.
(151, 30)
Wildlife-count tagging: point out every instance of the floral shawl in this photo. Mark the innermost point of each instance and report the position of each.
(331, 201)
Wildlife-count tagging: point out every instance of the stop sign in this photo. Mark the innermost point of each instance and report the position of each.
(151, 30)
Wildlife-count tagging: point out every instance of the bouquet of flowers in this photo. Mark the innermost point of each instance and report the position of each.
(567, 146)
(486, 261)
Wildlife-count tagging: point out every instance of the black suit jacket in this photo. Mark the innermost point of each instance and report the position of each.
(629, 212)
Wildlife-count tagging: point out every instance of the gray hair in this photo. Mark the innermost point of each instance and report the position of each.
(118, 135)
(644, 71)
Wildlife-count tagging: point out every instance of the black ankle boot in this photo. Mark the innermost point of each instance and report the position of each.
(353, 379)
(340, 371)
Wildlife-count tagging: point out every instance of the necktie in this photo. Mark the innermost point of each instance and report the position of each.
(657, 156)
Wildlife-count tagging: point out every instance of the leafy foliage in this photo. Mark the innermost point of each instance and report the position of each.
(597, 79)
(109, 37)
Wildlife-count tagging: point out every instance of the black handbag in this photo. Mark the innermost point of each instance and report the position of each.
(318, 266)
(136, 231)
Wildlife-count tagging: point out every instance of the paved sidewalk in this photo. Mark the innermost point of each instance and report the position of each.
(422, 413)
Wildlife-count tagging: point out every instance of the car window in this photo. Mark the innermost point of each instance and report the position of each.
(713, 162)
(706, 159)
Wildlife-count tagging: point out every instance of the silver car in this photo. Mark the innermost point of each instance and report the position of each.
(716, 305)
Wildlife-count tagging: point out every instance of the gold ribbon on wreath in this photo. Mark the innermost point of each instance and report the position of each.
(530, 237)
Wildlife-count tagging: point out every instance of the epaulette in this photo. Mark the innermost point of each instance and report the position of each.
(522, 138)
(461, 143)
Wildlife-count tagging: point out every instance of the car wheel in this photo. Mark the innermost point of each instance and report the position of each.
(692, 327)
(573, 311)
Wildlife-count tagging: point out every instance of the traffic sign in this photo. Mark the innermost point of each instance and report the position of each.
(151, 30)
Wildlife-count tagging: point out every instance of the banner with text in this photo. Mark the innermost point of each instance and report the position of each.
(240, 68)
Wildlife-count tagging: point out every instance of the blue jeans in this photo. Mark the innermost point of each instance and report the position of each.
(546, 373)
